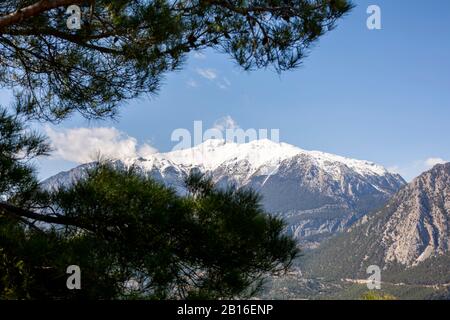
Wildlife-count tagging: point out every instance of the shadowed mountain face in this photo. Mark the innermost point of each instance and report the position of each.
(409, 238)
(318, 194)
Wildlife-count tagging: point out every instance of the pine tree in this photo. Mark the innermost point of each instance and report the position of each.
(124, 48)
(135, 238)
(132, 237)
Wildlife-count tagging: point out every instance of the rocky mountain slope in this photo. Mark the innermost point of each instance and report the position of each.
(318, 194)
(409, 238)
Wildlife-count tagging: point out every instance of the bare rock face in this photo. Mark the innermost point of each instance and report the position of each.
(419, 228)
(409, 238)
(318, 194)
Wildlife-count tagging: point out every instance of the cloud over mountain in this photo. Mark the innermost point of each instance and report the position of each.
(83, 145)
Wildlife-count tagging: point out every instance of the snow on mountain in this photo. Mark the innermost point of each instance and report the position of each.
(318, 193)
(213, 153)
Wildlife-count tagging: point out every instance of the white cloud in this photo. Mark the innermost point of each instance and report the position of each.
(213, 76)
(192, 83)
(146, 150)
(431, 162)
(225, 123)
(82, 145)
(409, 171)
(209, 74)
(224, 84)
(395, 169)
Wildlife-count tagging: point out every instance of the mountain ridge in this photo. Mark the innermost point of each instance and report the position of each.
(407, 237)
(318, 194)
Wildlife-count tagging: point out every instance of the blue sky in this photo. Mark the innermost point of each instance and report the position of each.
(380, 95)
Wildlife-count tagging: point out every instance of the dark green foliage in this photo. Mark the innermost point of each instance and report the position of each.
(33, 264)
(116, 225)
(17, 147)
(119, 226)
(124, 48)
(374, 295)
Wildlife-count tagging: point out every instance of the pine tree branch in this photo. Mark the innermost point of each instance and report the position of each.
(64, 36)
(16, 212)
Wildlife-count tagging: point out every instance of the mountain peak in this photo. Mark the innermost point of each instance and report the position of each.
(418, 226)
(411, 232)
(320, 193)
(213, 153)
(440, 170)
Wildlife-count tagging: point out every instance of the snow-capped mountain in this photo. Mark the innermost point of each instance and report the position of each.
(318, 193)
